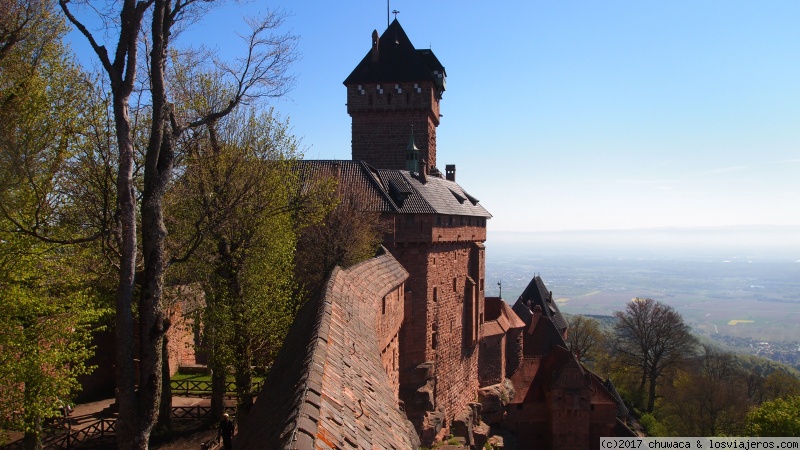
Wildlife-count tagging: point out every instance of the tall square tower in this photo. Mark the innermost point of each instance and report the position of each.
(395, 89)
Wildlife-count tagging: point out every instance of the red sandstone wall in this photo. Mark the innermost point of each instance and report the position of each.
(443, 316)
(491, 360)
(381, 122)
(514, 350)
(433, 228)
(180, 340)
(388, 319)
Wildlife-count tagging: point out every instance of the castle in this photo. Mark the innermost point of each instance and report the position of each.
(405, 349)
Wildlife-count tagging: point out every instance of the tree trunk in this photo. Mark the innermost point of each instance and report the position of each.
(33, 438)
(244, 384)
(165, 410)
(129, 433)
(651, 394)
(218, 379)
(157, 173)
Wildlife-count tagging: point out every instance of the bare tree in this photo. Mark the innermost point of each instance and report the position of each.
(261, 73)
(348, 234)
(652, 337)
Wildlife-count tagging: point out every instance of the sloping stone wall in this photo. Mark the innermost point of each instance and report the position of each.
(329, 386)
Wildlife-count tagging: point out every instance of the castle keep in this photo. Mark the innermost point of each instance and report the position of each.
(405, 348)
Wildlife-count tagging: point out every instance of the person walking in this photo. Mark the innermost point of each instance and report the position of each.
(226, 428)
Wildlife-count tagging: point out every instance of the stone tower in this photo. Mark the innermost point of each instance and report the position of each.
(395, 89)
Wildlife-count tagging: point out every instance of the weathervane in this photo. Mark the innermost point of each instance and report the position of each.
(500, 284)
(394, 11)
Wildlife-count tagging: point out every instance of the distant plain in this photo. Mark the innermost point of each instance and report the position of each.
(735, 282)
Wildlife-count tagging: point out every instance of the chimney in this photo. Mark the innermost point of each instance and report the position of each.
(450, 172)
(537, 313)
(375, 42)
(423, 171)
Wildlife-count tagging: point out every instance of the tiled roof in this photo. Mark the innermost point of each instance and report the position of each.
(327, 387)
(622, 410)
(435, 196)
(537, 294)
(355, 177)
(396, 191)
(398, 61)
(505, 320)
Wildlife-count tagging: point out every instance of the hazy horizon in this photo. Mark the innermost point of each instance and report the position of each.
(764, 241)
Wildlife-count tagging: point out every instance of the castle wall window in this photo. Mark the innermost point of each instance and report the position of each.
(383, 309)
(455, 282)
(435, 294)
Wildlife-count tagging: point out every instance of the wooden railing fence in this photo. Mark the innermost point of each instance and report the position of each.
(64, 438)
(203, 387)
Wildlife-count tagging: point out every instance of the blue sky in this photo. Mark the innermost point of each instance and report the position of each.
(577, 115)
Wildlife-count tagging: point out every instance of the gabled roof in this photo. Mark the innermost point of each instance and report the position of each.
(398, 61)
(542, 339)
(499, 317)
(395, 191)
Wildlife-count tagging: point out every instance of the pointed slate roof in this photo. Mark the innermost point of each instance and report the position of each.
(537, 294)
(398, 61)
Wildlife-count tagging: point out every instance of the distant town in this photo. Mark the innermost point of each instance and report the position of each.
(783, 351)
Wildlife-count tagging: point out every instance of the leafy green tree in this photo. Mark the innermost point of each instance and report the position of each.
(776, 418)
(653, 426)
(46, 324)
(586, 339)
(262, 73)
(238, 209)
(780, 384)
(708, 397)
(46, 306)
(651, 337)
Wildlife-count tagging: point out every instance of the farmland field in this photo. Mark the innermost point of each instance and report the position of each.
(746, 294)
